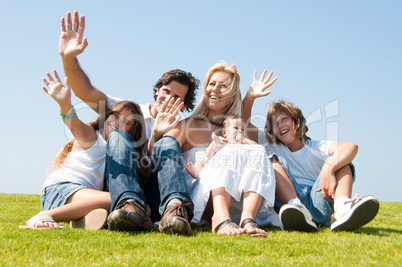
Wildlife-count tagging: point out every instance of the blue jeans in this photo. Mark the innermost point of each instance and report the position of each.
(319, 207)
(167, 158)
(121, 169)
(123, 181)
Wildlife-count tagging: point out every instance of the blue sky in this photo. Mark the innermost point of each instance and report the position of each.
(339, 61)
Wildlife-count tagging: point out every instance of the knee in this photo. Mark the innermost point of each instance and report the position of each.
(120, 139)
(118, 135)
(120, 144)
(165, 144)
(346, 170)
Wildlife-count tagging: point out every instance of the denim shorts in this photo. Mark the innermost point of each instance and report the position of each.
(319, 207)
(56, 195)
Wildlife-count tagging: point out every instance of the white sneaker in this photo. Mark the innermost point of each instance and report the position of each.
(355, 213)
(295, 216)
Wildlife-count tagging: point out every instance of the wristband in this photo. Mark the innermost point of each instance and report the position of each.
(69, 117)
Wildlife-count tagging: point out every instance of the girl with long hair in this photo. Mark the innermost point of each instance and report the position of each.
(74, 187)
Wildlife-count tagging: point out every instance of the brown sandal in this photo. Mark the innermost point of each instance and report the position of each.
(254, 225)
(227, 222)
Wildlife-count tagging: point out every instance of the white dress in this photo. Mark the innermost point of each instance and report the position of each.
(238, 168)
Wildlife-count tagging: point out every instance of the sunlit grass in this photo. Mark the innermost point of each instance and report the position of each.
(379, 243)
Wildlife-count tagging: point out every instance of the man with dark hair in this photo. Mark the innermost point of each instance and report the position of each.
(129, 192)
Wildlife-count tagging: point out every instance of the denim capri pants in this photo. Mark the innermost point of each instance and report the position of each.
(319, 207)
(56, 195)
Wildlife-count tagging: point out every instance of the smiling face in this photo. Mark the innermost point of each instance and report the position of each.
(123, 120)
(236, 127)
(174, 90)
(283, 128)
(217, 91)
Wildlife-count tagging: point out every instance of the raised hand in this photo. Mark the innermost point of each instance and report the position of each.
(166, 119)
(258, 87)
(71, 41)
(59, 92)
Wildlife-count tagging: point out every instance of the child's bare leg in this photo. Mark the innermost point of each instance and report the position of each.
(345, 182)
(284, 190)
(192, 170)
(80, 204)
(251, 205)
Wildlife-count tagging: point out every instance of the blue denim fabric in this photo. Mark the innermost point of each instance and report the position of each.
(123, 181)
(121, 169)
(56, 195)
(167, 158)
(319, 207)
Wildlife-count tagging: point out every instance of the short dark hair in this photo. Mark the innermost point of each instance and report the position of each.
(184, 78)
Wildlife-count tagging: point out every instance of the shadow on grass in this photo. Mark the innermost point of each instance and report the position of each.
(378, 231)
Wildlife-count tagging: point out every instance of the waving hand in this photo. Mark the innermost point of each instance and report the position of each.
(71, 41)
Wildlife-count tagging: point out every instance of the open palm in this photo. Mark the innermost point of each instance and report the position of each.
(166, 119)
(71, 42)
(258, 87)
(60, 93)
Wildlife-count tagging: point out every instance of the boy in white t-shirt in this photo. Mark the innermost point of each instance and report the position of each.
(318, 184)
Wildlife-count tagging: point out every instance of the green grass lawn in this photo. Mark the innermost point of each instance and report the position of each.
(379, 243)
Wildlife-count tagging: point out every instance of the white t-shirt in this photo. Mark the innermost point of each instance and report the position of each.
(304, 164)
(149, 120)
(83, 167)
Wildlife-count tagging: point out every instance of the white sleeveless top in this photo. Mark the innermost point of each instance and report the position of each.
(83, 167)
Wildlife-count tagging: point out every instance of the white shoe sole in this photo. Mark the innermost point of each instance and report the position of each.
(293, 219)
(361, 213)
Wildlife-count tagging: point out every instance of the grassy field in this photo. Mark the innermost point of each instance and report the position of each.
(377, 244)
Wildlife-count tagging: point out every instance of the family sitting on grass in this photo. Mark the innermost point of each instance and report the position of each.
(140, 166)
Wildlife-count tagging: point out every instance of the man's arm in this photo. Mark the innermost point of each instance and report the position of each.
(71, 44)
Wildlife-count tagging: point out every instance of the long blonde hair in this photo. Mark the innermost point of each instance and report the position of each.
(235, 104)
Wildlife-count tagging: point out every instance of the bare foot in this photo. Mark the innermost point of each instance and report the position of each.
(192, 170)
